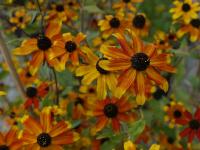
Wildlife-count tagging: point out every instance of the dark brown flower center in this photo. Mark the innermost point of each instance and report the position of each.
(177, 114)
(126, 1)
(44, 43)
(114, 22)
(70, 46)
(140, 61)
(186, 7)
(44, 140)
(60, 8)
(100, 69)
(4, 147)
(28, 74)
(79, 101)
(194, 124)
(21, 19)
(70, 3)
(139, 21)
(195, 23)
(12, 115)
(170, 140)
(158, 94)
(111, 110)
(31, 92)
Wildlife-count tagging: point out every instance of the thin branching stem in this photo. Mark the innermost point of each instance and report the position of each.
(57, 89)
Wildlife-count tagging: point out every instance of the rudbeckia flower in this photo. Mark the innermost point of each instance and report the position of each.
(136, 61)
(61, 12)
(166, 41)
(34, 94)
(41, 47)
(71, 50)
(193, 29)
(10, 140)
(112, 110)
(126, 4)
(193, 125)
(112, 24)
(139, 24)
(20, 19)
(186, 10)
(175, 111)
(92, 71)
(44, 135)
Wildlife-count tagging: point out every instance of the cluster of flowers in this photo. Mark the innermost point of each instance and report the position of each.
(116, 74)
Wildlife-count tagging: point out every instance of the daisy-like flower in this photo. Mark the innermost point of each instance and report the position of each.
(193, 29)
(139, 24)
(174, 111)
(126, 4)
(71, 50)
(41, 47)
(19, 19)
(44, 135)
(61, 12)
(165, 41)
(92, 71)
(112, 24)
(192, 123)
(136, 61)
(10, 140)
(34, 94)
(186, 10)
(114, 110)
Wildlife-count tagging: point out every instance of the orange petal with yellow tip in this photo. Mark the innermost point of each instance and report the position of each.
(25, 50)
(137, 44)
(58, 129)
(45, 120)
(155, 76)
(90, 77)
(29, 138)
(54, 52)
(80, 37)
(140, 99)
(11, 135)
(32, 126)
(53, 28)
(91, 56)
(67, 37)
(125, 80)
(17, 145)
(65, 138)
(101, 87)
(55, 147)
(36, 62)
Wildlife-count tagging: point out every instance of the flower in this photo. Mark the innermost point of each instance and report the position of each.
(126, 4)
(136, 61)
(114, 110)
(92, 71)
(71, 49)
(44, 135)
(112, 24)
(19, 19)
(139, 24)
(10, 140)
(193, 29)
(174, 111)
(62, 12)
(186, 10)
(192, 123)
(34, 94)
(41, 47)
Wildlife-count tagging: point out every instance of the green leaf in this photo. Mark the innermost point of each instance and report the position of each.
(93, 9)
(136, 129)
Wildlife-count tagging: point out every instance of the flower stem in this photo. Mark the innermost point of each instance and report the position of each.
(57, 89)
(42, 14)
(7, 57)
(82, 16)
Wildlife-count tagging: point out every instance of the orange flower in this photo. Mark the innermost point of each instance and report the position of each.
(112, 24)
(70, 46)
(41, 47)
(139, 24)
(115, 110)
(126, 4)
(44, 135)
(34, 94)
(10, 140)
(193, 29)
(136, 61)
